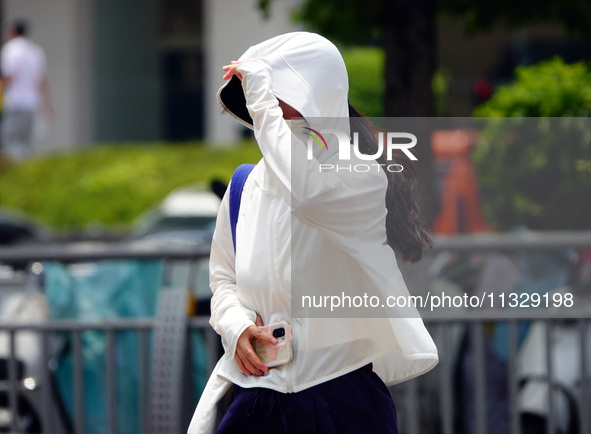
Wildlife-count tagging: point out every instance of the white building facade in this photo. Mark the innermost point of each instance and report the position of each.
(141, 70)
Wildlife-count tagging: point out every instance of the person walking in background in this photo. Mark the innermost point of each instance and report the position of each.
(25, 90)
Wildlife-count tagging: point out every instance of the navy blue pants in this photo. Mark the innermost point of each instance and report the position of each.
(358, 402)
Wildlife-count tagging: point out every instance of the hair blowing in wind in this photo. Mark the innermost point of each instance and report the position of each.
(404, 224)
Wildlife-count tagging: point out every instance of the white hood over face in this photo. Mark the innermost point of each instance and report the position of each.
(308, 73)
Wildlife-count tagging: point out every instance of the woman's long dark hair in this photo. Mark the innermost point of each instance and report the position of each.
(404, 229)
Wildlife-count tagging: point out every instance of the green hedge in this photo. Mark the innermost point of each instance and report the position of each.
(540, 176)
(549, 88)
(110, 185)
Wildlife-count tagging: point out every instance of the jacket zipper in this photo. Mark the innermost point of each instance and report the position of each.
(274, 274)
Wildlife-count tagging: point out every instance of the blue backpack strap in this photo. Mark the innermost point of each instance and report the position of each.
(238, 180)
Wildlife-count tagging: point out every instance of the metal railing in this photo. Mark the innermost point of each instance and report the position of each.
(144, 329)
(157, 348)
(443, 406)
(426, 404)
(431, 403)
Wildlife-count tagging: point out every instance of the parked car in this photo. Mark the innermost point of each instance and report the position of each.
(185, 217)
(15, 228)
(187, 209)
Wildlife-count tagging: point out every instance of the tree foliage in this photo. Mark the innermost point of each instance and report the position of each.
(572, 15)
(362, 22)
(348, 21)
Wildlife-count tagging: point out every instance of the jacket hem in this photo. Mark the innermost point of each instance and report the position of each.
(344, 371)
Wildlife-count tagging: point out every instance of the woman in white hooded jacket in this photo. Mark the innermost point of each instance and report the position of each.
(301, 229)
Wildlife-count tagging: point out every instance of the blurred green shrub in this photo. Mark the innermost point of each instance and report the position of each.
(110, 185)
(538, 175)
(365, 66)
(550, 88)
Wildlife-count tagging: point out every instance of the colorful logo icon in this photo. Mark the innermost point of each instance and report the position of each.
(316, 138)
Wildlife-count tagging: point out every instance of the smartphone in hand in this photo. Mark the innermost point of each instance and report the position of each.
(279, 353)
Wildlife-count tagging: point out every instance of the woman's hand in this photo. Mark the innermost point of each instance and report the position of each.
(246, 359)
(231, 70)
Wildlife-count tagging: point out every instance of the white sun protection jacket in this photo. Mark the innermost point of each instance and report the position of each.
(302, 228)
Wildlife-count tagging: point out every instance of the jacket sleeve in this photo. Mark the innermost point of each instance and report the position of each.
(229, 317)
(337, 203)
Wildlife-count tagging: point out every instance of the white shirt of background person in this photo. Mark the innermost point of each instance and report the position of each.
(23, 62)
(25, 89)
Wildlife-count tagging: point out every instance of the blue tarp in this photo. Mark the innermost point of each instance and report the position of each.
(100, 291)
